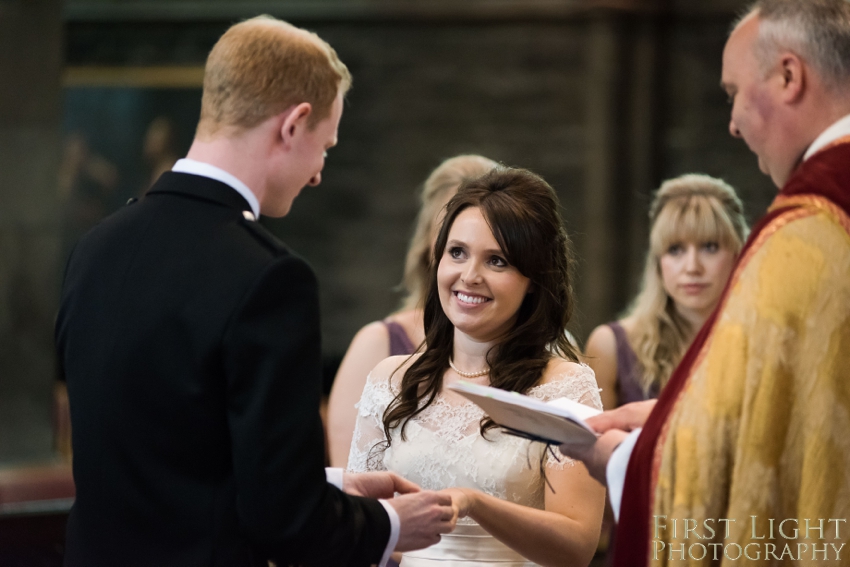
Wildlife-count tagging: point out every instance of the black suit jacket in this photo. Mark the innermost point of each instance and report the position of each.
(189, 340)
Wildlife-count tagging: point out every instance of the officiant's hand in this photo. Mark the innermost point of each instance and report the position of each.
(377, 484)
(424, 516)
(614, 426)
(596, 455)
(627, 417)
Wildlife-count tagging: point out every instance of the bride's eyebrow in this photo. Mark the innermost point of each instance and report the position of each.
(454, 242)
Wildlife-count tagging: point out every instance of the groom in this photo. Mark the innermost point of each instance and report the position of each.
(189, 340)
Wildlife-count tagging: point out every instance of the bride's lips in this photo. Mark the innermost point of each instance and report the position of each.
(470, 299)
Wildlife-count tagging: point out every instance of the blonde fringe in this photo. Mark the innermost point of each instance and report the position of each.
(691, 207)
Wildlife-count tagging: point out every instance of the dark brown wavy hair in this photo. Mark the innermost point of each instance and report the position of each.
(522, 211)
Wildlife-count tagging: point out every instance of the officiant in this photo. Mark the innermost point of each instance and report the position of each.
(753, 421)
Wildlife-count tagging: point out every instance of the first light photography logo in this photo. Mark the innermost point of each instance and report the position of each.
(787, 539)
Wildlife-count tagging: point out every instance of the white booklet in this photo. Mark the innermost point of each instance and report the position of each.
(557, 421)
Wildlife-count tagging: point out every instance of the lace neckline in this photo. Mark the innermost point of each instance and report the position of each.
(459, 421)
(543, 390)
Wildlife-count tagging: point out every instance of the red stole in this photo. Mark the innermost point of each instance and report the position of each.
(823, 178)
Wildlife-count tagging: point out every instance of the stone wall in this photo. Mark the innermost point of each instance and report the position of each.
(30, 65)
(603, 103)
(603, 99)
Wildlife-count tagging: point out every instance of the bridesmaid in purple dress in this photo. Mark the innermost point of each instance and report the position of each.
(401, 332)
(697, 230)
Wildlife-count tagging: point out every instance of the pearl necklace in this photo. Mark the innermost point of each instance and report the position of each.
(468, 374)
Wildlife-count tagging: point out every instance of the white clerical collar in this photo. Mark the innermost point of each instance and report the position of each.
(196, 167)
(837, 130)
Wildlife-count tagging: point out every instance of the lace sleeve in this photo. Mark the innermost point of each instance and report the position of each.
(369, 427)
(579, 384)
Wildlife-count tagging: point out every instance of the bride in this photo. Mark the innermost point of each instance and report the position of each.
(498, 301)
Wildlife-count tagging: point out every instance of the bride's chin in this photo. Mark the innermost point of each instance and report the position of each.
(478, 334)
(467, 329)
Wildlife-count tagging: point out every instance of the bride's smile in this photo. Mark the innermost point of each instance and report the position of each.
(480, 291)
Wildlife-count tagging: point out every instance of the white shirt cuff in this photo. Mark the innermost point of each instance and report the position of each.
(615, 472)
(395, 531)
(334, 477)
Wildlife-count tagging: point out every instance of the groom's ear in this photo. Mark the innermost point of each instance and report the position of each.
(294, 123)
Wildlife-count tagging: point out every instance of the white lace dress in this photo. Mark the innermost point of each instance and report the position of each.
(444, 449)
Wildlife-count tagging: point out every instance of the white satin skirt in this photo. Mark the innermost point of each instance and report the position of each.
(466, 546)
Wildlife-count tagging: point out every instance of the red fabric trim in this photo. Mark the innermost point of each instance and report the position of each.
(825, 174)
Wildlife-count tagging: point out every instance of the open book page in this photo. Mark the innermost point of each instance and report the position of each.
(558, 421)
(574, 410)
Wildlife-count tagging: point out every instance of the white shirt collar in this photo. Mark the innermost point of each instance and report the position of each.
(837, 130)
(195, 167)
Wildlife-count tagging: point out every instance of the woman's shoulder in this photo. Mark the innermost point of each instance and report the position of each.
(567, 379)
(601, 342)
(371, 338)
(605, 339)
(373, 330)
(392, 369)
(628, 324)
(382, 385)
(411, 322)
(560, 370)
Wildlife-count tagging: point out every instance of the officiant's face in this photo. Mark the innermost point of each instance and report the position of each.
(479, 291)
(755, 91)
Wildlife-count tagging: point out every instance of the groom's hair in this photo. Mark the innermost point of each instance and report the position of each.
(261, 67)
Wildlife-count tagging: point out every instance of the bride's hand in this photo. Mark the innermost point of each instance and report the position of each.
(463, 500)
(376, 484)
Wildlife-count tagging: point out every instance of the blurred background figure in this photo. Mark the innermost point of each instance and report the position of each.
(697, 230)
(401, 332)
(87, 182)
(159, 148)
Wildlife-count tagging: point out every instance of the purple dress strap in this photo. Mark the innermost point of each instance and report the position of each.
(628, 370)
(400, 343)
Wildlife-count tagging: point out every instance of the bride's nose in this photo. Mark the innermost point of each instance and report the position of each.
(471, 274)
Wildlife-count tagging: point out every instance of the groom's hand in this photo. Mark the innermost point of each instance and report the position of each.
(424, 516)
(376, 484)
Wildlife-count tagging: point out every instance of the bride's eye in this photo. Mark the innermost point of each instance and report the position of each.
(456, 252)
(498, 261)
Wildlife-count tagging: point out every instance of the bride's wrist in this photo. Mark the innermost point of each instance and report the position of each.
(471, 501)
